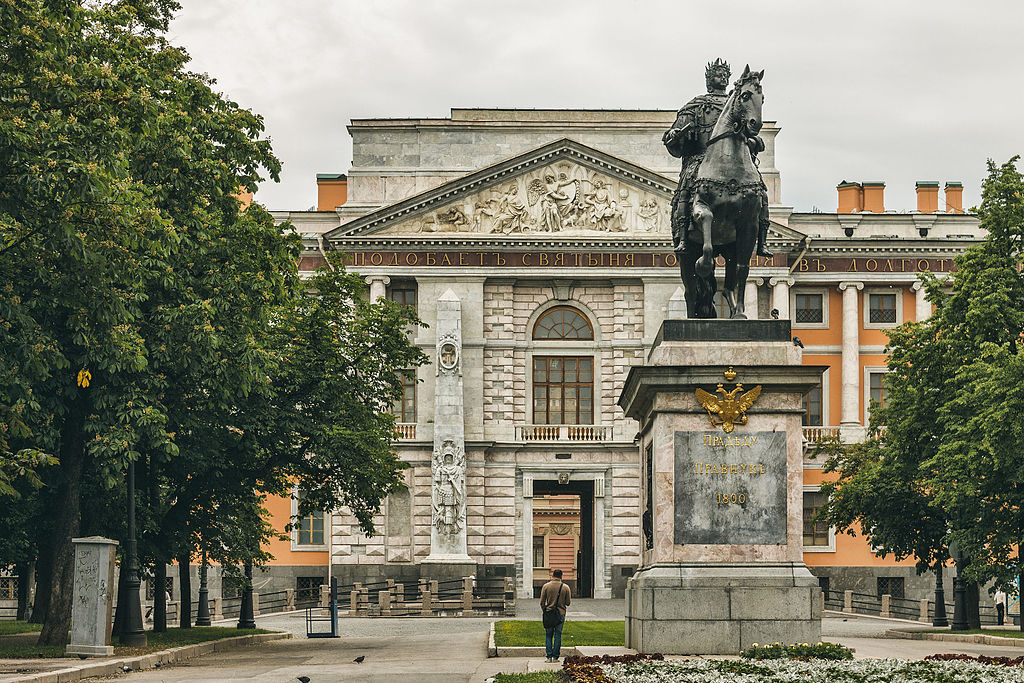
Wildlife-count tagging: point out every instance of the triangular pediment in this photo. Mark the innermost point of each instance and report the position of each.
(561, 189)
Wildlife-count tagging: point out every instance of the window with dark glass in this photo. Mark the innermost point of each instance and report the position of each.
(310, 528)
(563, 390)
(563, 322)
(810, 308)
(538, 551)
(876, 384)
(403, 293)
(405, 407)
(890, 585)
(812, 407)
(882, 308)
(307, 588)
(815, 533)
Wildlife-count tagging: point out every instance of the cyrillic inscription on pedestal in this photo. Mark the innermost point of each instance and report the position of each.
(730, 488)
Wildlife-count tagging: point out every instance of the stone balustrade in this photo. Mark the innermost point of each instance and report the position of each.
(566, 433)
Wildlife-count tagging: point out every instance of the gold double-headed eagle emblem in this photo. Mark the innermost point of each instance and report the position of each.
(728, 411)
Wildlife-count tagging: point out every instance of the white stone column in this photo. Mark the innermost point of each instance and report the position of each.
(850, 404)
(448, 464)
(750, 297)
(526, 589)
(601, 588)
(924, 307)
(780, 295)
(378, 286)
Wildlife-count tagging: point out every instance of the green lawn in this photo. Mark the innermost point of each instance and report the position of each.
(516, 633)
(535, 677)
(9, 627)
(173, 637)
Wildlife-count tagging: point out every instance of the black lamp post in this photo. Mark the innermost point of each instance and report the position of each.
(246, 619)
(203, 611)
(132, 634)
(939, 620)
(959, 591)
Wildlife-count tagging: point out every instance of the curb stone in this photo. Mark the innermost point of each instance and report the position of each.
(492, 650)
(173, 655)
(976, 638)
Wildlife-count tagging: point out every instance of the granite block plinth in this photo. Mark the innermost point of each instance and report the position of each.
(721, 609)
(724, 330)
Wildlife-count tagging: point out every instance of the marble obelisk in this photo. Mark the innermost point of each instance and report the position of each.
(448, 464)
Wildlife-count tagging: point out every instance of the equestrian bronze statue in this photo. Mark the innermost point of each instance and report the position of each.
(721, 205)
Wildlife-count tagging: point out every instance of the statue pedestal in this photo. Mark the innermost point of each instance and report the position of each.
(92, 597)
(722, 560)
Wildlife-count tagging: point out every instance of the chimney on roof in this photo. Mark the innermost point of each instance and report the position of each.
(331, 190)
(851, 197)
(927, 195)
(954, 197)
(873, 196)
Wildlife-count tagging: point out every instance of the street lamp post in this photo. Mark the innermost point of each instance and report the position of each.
(959, 590)
(246, 619)
(203, 611)
(132, 634)
(939, 620)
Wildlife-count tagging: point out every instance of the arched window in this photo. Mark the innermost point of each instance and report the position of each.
(563, 322)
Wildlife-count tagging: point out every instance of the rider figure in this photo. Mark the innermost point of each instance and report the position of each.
(688, 139)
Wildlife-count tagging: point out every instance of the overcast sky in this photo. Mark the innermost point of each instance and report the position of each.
(890, 90)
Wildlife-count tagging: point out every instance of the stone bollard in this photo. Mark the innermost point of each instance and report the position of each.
(428, 604)
(289, 599)
(848, 602)
(353, 603)
(255, 604)
(510, 597)
(467, 596)
(92, 597)
(924, 611)
(384, 602)
(886, 602)
(325, 595)
(400, 595)
(218, 608)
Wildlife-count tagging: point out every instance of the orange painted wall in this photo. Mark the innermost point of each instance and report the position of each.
(280, 509)
(330, 194)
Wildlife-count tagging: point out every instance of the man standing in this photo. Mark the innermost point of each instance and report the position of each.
(554, 598)
(688, 140)
(1000, 600)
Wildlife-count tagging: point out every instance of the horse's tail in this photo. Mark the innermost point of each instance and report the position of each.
(704, 299)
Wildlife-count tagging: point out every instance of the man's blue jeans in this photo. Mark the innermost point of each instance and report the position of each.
(553, 640)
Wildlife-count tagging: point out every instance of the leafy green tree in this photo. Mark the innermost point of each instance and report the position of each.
(144, 317)
(945, 463)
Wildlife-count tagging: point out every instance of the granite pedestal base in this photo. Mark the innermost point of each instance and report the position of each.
(447, 570)
(701, 609)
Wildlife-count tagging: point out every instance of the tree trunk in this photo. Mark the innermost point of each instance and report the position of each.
(185, 590)
(973, 606)
(44, 572)
(24, 572)
(1020, 603)
(160, 596)
(57, 622)
(119, 610)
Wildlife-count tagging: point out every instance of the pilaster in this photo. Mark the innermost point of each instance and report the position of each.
(850, 427)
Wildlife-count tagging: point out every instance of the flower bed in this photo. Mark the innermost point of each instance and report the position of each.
(797, 671)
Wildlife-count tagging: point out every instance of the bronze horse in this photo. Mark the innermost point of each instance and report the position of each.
(728, 200)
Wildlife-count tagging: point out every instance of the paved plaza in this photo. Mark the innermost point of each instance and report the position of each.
(455, 649)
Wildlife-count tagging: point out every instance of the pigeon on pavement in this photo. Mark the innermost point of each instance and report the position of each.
(359, 659)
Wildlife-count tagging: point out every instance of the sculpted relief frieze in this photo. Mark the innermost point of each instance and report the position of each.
(560, 198)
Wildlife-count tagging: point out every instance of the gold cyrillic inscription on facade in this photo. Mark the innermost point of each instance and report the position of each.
(724, 468)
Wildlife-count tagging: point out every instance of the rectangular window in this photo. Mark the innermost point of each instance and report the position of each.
(812, 407)
(563, 390)
(310, 528)
(307, 588)
(8, 587)
(538, 551)
(403, 293)
(810, 308)
(815, 533)
(405, 407)
(876, 382)
(882, 308)
(890, 585)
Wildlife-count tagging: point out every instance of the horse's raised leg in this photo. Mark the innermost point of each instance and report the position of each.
(702, 218)
(746, 240)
